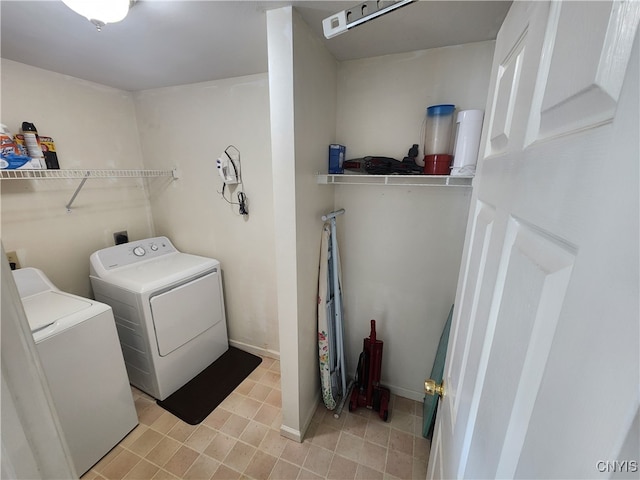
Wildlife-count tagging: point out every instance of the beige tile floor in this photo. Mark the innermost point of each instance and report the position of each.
(240, 440)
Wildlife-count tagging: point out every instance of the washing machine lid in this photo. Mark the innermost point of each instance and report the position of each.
(48, 310)
(160, 272)
(52, 312)
(30, 281)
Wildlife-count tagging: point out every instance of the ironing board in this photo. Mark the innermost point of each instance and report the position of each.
(330, 328)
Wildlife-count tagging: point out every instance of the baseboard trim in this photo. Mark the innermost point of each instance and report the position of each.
(403, 392)
(307, 421)
(291, 433)
(297, 435)
(263, 352)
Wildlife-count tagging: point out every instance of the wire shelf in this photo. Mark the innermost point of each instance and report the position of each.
(399, 180)
(65, 174)
(84, 175)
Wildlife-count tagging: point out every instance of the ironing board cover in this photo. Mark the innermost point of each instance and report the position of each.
(323, 328)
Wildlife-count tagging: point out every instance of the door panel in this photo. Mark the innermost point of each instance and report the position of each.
(535, 271)
(506, 94)
(565, 103)
(547, 300)
(435, 469)
(474, 276)
(185, 312)
(514, 73)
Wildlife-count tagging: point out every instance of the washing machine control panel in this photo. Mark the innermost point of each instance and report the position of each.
(132, 252)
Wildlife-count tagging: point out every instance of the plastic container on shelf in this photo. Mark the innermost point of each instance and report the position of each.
(438, 128)
(437, 164)
(467, 142)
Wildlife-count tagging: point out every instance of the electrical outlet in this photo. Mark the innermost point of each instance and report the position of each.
(13, 260)
(120, 237)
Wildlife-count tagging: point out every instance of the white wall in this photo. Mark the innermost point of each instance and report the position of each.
(93, 127)
(315, 99)
(188, 127)
(401, 246)
(303, 111)
(97, 127)
(383, 100)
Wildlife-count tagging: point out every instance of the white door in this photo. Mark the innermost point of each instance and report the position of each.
(542, 371)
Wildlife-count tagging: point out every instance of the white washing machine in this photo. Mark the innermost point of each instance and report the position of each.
(78, 347)
(168, 308)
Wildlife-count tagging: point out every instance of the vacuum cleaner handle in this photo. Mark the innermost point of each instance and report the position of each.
(372, 335)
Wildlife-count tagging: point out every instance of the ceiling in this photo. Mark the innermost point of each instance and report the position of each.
(176, 42)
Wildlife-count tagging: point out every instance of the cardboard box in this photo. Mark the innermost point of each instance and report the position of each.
(49, 150)
(336, 158)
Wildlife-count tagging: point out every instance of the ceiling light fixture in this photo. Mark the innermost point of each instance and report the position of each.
(347, 19)
(101, 12)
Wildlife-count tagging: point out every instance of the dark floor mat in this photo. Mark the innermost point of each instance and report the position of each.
(196, 400)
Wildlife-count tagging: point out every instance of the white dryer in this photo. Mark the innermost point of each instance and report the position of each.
(169, 311)
(78, 347)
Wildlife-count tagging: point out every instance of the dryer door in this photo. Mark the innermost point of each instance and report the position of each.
(183, 313)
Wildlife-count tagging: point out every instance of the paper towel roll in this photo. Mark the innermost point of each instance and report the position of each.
(468, 130)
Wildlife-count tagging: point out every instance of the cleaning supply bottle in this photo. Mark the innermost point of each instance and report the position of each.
(33, 145)
(7, 145)
(10, 155)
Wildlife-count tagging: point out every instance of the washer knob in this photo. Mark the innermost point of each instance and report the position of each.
(139, 251)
